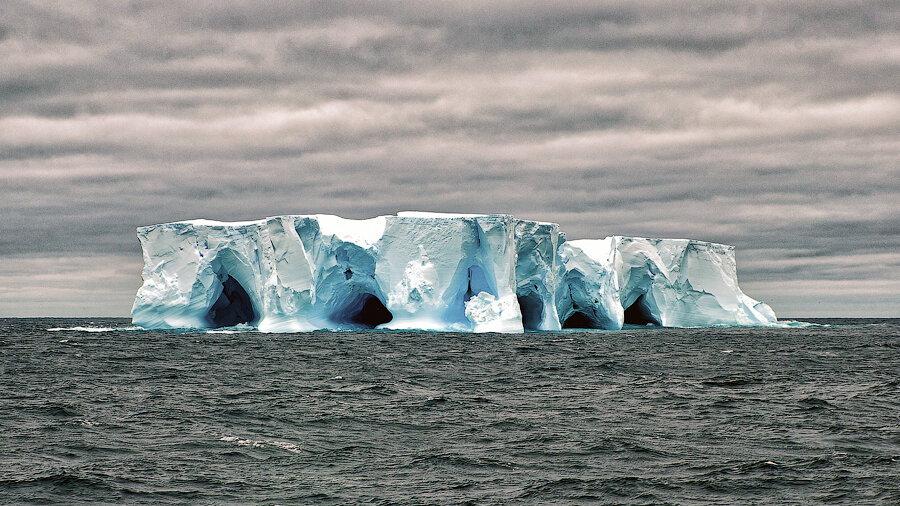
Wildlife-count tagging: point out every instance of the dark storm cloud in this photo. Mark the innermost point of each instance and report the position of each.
(772, 126)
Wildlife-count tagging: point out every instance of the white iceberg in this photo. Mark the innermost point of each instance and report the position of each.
(428, 271)
(667, 282)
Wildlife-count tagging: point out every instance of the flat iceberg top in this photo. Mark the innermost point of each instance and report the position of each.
(596, 249)
(430, 271)
(429, 214)
(675, 242)
(331, 220)
(358, 231)
(200, 222)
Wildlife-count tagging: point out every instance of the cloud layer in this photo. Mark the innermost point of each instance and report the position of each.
(773, 126)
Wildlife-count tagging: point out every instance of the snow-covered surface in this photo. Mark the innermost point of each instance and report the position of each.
(429, 271)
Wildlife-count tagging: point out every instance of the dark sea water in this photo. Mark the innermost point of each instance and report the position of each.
(780, 415)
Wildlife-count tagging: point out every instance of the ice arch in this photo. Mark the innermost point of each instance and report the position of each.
(532, 308)
(592, 303)
(363, 310)
(579, 320)
(233, 304)
(469, 280)
(641, 313)
(232, 307)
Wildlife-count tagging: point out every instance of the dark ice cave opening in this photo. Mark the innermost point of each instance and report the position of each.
(579, 320)
(365, 310)
(532, 311)
(639, 314)
(233, 306)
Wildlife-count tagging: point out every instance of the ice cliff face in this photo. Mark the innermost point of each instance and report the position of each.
(469, 273)
(668, 282)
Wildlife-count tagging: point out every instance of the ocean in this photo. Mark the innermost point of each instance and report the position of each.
(96, 411)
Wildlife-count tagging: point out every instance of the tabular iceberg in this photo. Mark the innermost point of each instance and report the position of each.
(429, 271)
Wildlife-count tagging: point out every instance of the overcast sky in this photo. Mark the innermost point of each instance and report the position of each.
(773, 126)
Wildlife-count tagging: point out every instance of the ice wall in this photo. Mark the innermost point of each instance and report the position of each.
(469, 273)
(591, 288)
(301, 273)
(539, 273)
(450, 272)
(668, 282)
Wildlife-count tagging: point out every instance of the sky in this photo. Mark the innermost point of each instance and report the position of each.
(772, 126)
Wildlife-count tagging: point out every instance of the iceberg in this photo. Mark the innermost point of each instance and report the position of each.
(429, 271)
(667, 282)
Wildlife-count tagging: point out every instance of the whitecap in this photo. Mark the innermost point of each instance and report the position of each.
(284, 445)
(253, 443)
(94, 329)
(234, 329)
(82, 329)
(241, 442)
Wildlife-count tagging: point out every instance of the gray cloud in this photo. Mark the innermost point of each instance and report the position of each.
(772, 126)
